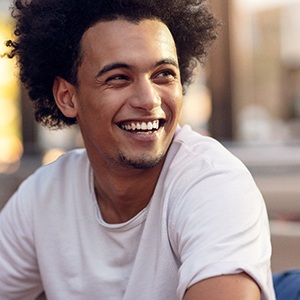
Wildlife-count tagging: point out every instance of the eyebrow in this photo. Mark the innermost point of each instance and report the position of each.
(120, 65)
(113, 66)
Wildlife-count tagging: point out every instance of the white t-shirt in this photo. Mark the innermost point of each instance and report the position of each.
(205, 218)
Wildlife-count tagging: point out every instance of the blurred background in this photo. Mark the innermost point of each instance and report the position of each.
(247, 97)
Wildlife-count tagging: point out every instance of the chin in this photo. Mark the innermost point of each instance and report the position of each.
(143, 162)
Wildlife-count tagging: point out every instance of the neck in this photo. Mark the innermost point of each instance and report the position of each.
(121, 194)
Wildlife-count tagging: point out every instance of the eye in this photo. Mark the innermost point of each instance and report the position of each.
(117, 80)
(165, 73)
(164, 76)
(118, 77)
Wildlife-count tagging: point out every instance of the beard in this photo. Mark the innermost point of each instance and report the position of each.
(143, 162)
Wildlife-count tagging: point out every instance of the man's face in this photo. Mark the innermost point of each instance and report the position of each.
(129, 94)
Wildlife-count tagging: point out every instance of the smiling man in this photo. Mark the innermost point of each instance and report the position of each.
(148, 209)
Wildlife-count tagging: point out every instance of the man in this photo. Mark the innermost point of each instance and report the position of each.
(149, 210)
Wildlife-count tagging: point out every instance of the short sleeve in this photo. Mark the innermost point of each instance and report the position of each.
(220, 226)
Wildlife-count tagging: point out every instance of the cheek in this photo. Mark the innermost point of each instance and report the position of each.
(93, 106)
(172, 107)
(176, 100)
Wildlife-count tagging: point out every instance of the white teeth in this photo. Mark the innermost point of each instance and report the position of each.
(142, 126)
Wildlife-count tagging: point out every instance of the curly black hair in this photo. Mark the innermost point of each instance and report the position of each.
(48, 35)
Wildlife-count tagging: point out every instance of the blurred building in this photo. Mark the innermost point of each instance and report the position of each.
(265, 61)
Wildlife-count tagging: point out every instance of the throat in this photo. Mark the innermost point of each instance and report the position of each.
(117, 214)
(122, 194)
(116, 208)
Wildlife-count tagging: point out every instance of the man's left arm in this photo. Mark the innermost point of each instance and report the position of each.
(227, 287)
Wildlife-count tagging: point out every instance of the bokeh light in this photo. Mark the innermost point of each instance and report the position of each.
(11, 148)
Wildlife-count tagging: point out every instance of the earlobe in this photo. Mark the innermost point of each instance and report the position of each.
(64, 95)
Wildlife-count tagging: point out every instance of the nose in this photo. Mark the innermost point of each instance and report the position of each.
(145, 95)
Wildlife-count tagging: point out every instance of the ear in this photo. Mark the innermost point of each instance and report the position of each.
(65, 97)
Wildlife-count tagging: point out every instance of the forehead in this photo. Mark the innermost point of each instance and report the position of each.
(121, 40)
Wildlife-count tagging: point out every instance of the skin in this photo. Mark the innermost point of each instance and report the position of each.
(228, 287)
(126, 77)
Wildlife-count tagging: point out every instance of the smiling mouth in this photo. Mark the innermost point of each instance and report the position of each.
(146, 127)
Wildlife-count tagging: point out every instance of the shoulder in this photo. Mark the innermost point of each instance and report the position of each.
(66, 171)
(199, 158)
(203, 176)
(53, 188)
(71, 161)
(194, 147)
